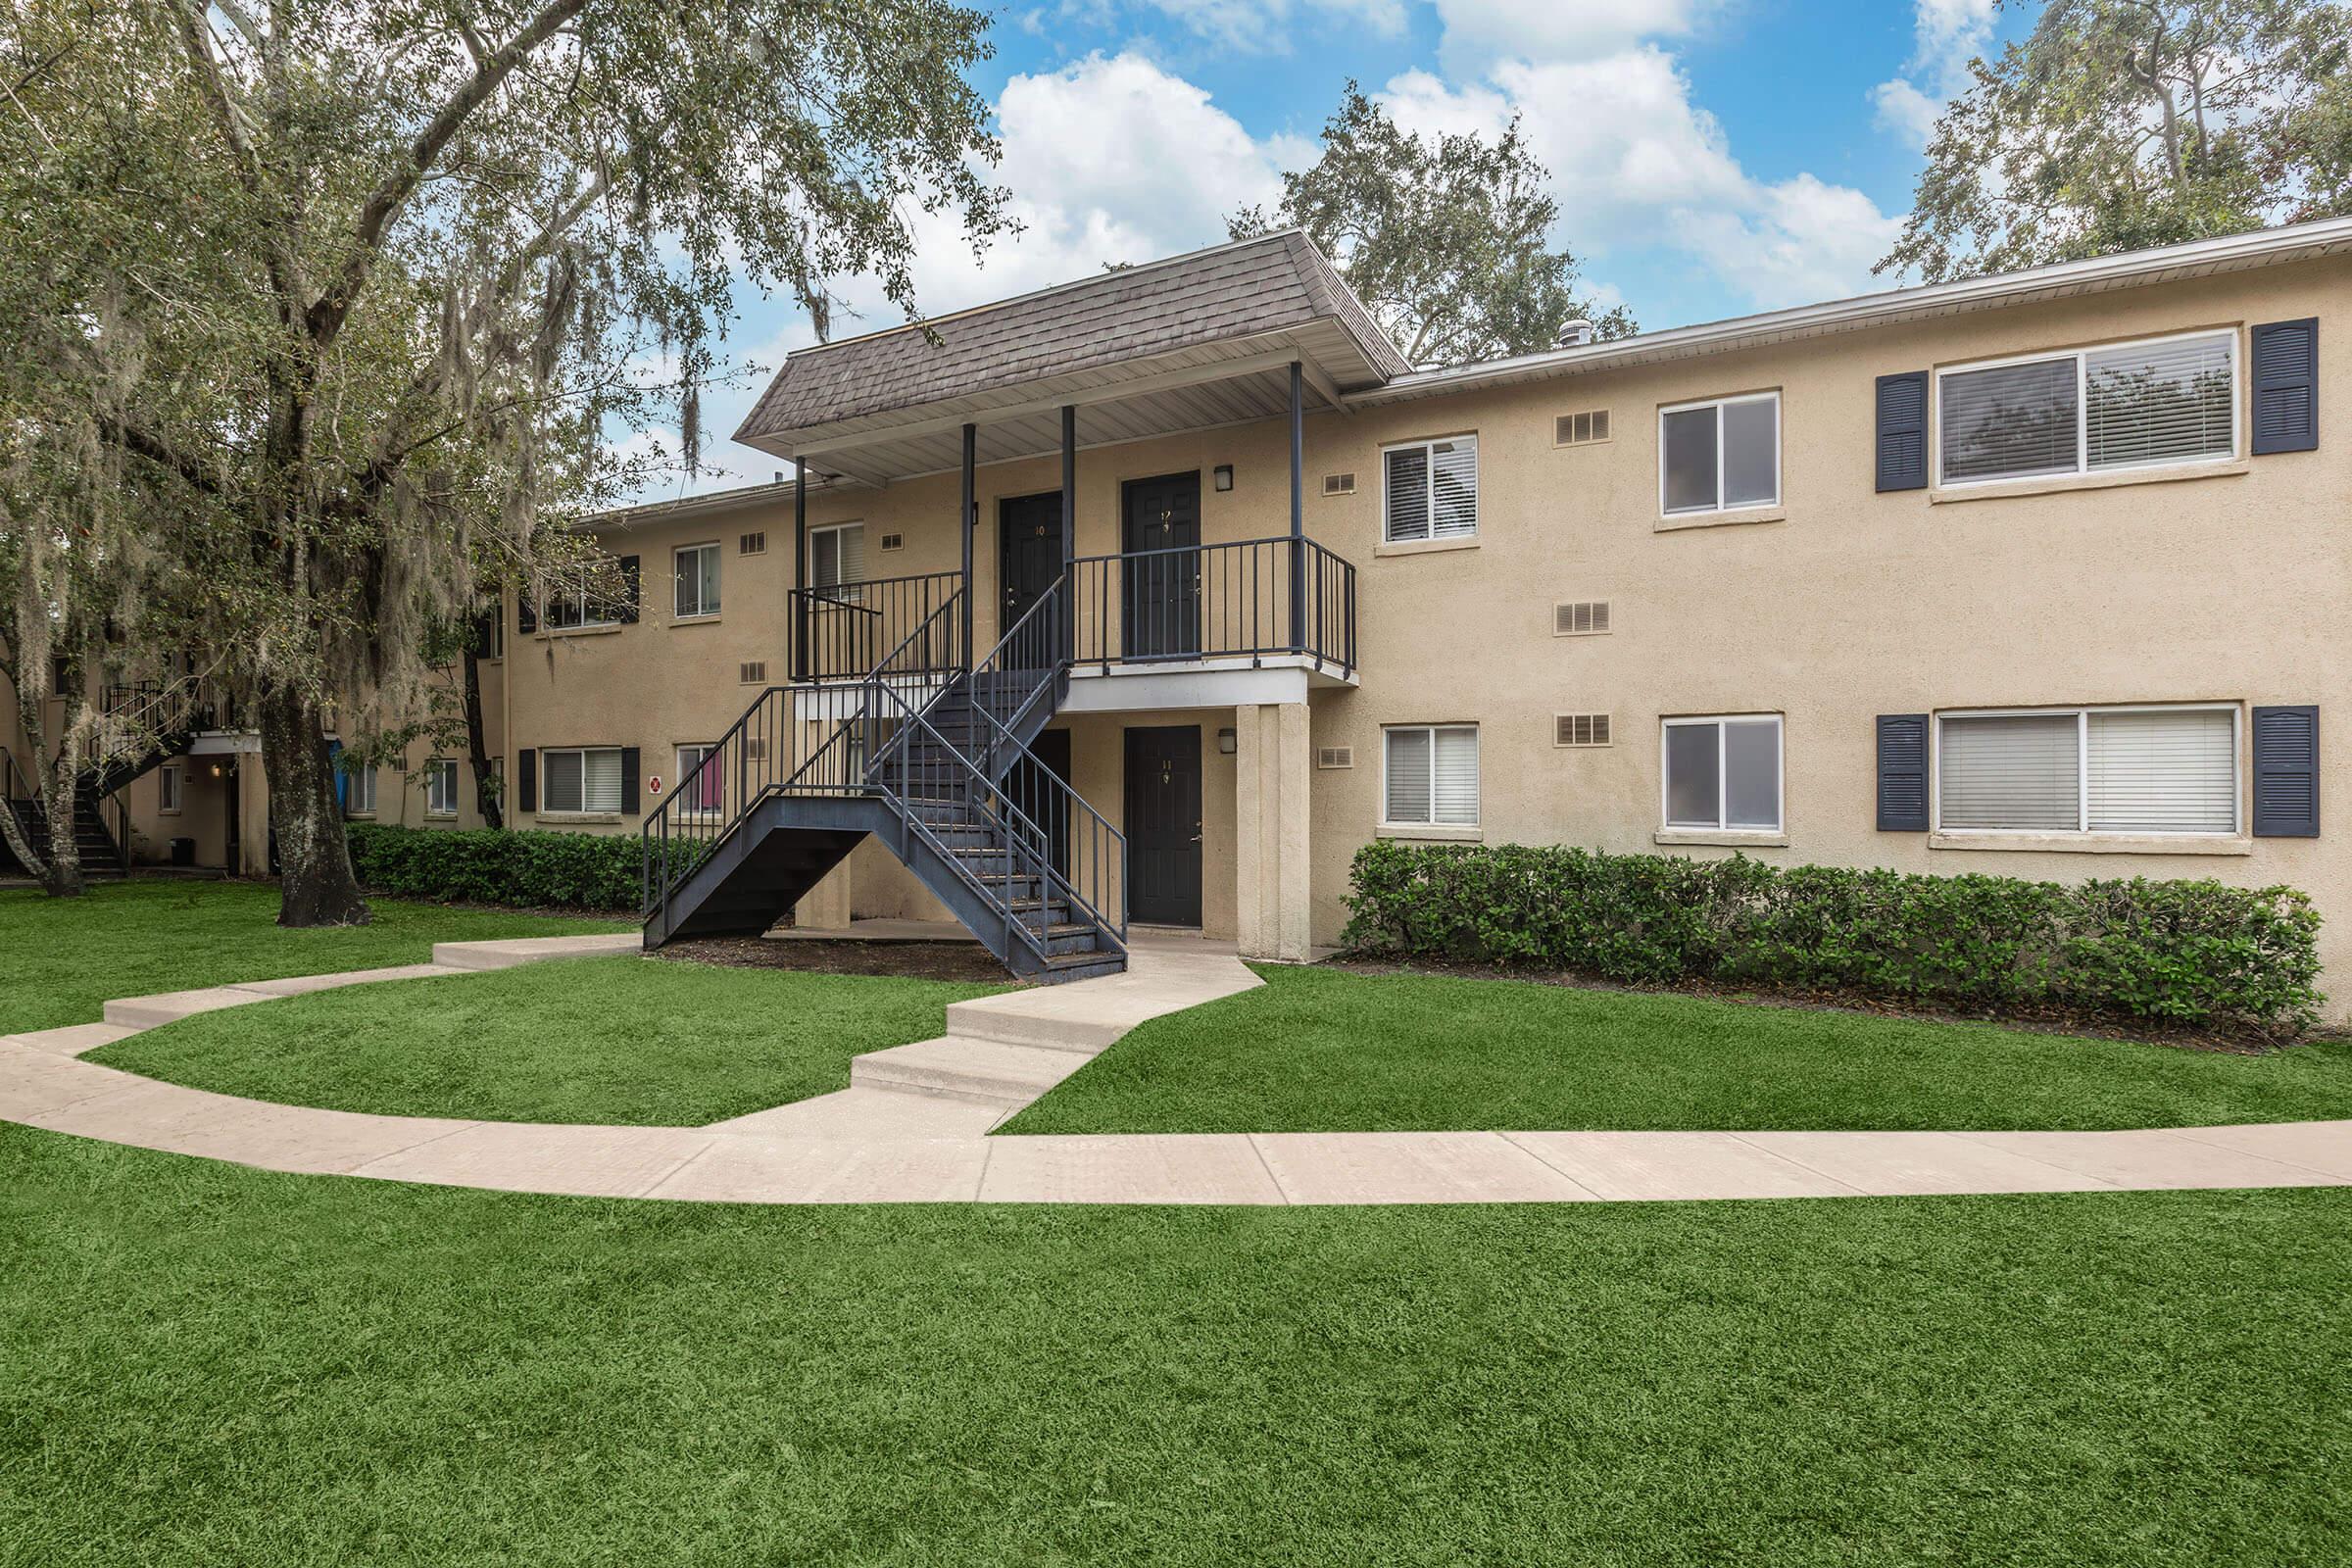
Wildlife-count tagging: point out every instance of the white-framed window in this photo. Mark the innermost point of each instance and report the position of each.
(2171, 769)
(1428, 490)
(441, 787)
(491, 639)
(2142, 405)
(837, 558)
(1722, 773)
(1723, 454)
(695, 570)
(359, 794)
(582, 778)
(1428, 775)
(704, 792)
(167, 784)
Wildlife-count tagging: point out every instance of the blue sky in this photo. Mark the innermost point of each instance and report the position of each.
(1711, 157)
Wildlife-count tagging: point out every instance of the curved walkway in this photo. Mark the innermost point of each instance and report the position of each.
(913, 1126)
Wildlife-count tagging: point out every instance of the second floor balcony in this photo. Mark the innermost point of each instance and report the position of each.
(1240, 603)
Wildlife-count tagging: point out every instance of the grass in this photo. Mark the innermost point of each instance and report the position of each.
(61, 960)
(201, 1363)
(616, 1040)
(1318, 1049)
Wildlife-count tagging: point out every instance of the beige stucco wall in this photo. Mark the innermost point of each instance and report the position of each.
(1838, 605)
(1848, 605)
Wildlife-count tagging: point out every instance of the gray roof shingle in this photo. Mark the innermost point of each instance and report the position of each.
(1240, 290)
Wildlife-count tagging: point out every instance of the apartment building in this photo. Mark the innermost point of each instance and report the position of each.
(2037, 574)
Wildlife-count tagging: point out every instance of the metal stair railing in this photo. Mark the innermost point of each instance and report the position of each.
(945, 775)
(1028, 663)
(764, 751)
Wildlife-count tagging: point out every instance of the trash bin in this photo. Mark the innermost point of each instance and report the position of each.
(184, 852)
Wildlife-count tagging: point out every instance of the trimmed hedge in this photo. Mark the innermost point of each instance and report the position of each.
(526, 868)
(2179, 952)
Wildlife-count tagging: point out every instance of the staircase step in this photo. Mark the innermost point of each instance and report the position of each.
(959, 1067)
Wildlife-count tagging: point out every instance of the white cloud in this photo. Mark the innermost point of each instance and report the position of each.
(1634, 163)
(1946, 35)
(1265, 26)
(1481, 33)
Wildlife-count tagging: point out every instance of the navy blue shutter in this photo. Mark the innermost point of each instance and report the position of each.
(526, 779)
(1903, 431)
(630, 762)
(628, 601)
(1902, 773)
(2286, 386)
(2287, 772)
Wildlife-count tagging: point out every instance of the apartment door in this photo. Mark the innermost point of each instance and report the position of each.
(1037, 796)
(1163, 602)
(1028, 552)
(1164, 825)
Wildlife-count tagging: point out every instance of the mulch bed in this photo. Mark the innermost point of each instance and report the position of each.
(2054, 1021)
(964, 961)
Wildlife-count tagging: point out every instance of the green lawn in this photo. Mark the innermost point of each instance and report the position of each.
(201, 1363)
(61, 960)
(1320, 1049)
(619, 1040)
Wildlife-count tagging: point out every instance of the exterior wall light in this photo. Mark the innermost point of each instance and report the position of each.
(1222, 476)
(1227, 741)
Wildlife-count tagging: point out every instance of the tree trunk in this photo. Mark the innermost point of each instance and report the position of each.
(478, 746)
(63, 877)
(11, 833)
(314, 880)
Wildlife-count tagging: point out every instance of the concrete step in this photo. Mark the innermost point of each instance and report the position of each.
(963, 1069)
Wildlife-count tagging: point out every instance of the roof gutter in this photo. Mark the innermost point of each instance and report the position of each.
(2230, 253)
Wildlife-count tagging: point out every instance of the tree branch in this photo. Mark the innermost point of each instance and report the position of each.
(325, 319)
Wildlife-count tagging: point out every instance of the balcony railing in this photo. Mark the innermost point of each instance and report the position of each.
(838, 632)
(1241, 599)
(1253, 598)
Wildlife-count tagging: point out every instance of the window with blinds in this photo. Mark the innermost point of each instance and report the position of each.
(837, 557)
(2088, 770)
(1431, 775)
(1723, 773)
(581, 779)
(1430, 490)
(2124, 406)
(441, 787)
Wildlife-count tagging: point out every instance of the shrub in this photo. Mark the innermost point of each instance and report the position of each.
(2179, 952)
(528, 868)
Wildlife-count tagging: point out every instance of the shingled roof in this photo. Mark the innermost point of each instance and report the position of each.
(1250, 290)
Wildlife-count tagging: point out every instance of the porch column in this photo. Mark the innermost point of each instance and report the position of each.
(1069, 529)
(971, 602)
(1297, 508)
(800, 568)
(1272, 886)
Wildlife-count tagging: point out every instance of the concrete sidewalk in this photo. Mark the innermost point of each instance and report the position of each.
(913, 1126)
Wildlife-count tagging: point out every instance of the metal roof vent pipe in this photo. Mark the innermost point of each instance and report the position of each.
(1575, 334)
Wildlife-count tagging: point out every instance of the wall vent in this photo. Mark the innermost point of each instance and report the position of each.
(894, 540)
(1585, 617)
(752, 544)
(1335, 757)
(1339, 485)
(1580, 729)
(1581, 429)
(754, 672)
(755, 748)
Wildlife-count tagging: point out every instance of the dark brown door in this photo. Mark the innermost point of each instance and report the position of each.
(1032, 787)
(1162, 534)
(1164, 825)
(1028, 552)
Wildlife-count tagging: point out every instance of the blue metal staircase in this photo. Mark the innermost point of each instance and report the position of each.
(938, 766)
